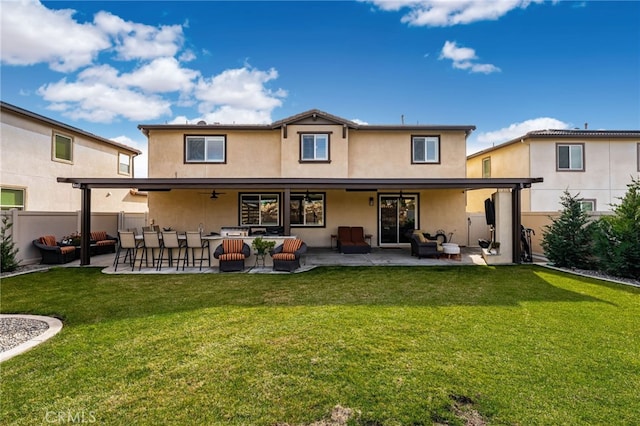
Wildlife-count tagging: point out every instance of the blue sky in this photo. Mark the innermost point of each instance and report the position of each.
(505, 66)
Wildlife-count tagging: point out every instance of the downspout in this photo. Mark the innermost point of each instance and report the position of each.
(286, 212)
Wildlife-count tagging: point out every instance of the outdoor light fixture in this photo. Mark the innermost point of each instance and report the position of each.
(371, 201)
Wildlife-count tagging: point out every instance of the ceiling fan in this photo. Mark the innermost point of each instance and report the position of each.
(214, 194)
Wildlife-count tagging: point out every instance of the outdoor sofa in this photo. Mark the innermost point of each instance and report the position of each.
(53, 252)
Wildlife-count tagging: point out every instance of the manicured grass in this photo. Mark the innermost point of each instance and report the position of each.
(521, 345)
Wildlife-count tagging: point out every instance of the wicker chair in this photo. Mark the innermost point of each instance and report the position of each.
(286, 256)
(102, 243)
(52, 252)
(231, 255)
(421, 247)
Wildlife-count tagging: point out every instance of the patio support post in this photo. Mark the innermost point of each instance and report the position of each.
(286, 212)
(516, 220)
(85, 227)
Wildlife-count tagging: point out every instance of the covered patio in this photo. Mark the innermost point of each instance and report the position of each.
(287, 186)
(315, 257)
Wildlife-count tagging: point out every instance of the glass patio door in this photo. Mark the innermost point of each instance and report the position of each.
(397, 218)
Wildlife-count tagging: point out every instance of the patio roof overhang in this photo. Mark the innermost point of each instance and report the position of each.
(163, 184)
(289, 184)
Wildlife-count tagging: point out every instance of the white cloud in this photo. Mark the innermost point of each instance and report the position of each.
(239, 94)
(439, 13)
(139, 41)
(39, 35)
(520, 129)
(162, 75)
(140, 162)
(99, 102)
(465, 58)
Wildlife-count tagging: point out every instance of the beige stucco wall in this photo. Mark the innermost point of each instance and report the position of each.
(186, 209)
(26, 163)
(388, 155)
(249, 154)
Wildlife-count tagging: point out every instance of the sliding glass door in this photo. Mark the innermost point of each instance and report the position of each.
(397, 218)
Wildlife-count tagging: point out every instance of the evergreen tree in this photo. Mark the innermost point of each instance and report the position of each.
(568, 241)
(8, 250)
(618, 236)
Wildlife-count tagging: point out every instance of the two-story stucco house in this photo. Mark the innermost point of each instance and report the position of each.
(596, 164)
(308, 174)
(36, 150)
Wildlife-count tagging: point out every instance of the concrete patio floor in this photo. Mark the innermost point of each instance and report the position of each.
(314, 257)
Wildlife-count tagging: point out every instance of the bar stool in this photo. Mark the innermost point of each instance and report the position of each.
(170, 242)
(195, 242)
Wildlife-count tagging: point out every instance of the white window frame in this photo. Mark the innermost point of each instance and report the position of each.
(318, 154)
(208, 140)
(126, 164)
(15, 206)
(54, 150)
(572, 156)
(317, 198)
(591, 202)
(425, 141)
(260, 197)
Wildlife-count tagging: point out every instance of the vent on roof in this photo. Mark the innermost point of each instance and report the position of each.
(202, 123)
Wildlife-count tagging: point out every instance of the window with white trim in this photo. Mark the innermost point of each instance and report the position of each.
(62, 149)
(205, 149)
(124, 164)
(314, 147)
(425, 149)
(11, 198)
(307, 209)
(260, 209)
(570, 157)
(588, 205)
(486, 167)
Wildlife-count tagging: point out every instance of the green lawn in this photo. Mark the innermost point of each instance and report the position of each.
(400, 346)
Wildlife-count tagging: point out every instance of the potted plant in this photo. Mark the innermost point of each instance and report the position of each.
(494, 247)
(261, 246)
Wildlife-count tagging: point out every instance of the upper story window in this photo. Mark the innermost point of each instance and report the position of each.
(62, 148)
(307, 209)
(588, 204)
(314, 147)
(124, 164)
(425, 149)
(260, 209)
(486, 167)
(570, 157)
(12, 198)
(206, 149)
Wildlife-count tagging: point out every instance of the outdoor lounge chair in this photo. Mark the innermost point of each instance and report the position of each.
(102, 243)
(351, 240)
(286, 256)
(231, 255)
(53, 252)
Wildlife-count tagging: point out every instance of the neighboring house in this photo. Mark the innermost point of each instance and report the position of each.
(597, 164)
(309, 174)
(36, 150)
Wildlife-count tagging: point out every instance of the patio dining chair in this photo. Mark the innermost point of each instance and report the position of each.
(171, 242)
(195, 243)
(152, 244)
(127, 242)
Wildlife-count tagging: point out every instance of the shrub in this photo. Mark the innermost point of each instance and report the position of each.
(8, 250)
(617, 239)
(568, 241)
